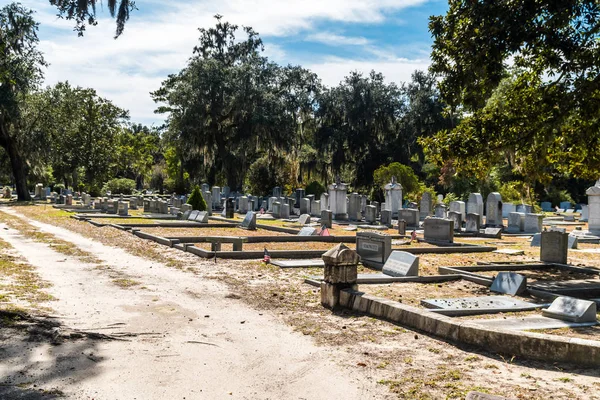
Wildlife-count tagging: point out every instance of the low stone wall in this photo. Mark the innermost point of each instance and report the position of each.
(514, 343)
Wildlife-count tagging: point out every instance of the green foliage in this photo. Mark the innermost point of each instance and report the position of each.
(513, 192)
(404, 175)
(450, 197)
(196, 200)
(84, 12)
(262, 177)
(556, 196)
(119, 186)
(315, 188)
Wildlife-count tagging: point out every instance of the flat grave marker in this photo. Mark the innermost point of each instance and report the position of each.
(509, 283)
(571, 309)
(298, 263)
(202, 217)
(307, 231)
(193, 215)
(479, 305)
(529, 323)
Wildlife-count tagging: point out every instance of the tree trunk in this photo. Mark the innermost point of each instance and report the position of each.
(18, 169)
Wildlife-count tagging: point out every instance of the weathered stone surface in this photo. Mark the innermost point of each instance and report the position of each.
(374, 248)
(426, 205)
(438, 230)
(475, 206)
(473, 223)
(493, 212)
(337, 200)
(516, 222)
(386, 217)
(554, 247)
(459, 207)
(393, 196)
(593, 194)
(326, 218)
(370, 214)
(440, 210)
(410, 215)
(307, 231)
(457, 218)
(509, 283)
(533, 223)
(401, 263)
(249, 221)
(304, 219)
(571, 309)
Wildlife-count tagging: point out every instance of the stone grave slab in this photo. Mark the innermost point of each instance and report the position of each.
(249, 221)
(510, 252)
(493, 232)
(401, 263)
(298, 263)
(571, 309)
(529, 323)
(307, 231)
(351, 228)
(582, 288)
(186, 215)
(509, 283)
(479, 305)
(202, 217)
(193, 215)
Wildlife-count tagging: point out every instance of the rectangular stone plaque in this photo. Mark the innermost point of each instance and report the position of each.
(373, 248)
(298, 263)
(509, 283)
(401, 263)
(571, 309)
(484, 302)
(193, 215)
(304, 219)
(202, 217)
(554, 247)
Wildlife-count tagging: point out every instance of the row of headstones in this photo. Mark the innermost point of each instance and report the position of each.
(112, 206)
(156, 206)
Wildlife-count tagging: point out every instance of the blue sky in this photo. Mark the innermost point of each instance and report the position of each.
(330, 37)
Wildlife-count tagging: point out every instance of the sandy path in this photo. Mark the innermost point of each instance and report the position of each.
(192, 342)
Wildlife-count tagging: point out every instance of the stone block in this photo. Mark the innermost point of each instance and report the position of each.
(554, 247)
(401, 263)
(509, 283)
(571, 309)
(438, 230)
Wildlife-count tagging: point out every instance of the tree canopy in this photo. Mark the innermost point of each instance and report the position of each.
(84, 12)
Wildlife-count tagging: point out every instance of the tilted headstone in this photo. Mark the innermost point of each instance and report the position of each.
(554, 247)
(493, 232)
(374, 248)
(426, 206)
(193, 215)
(571, 309)
(509, 283)
(401, 263)
(493, 210)
(475, 206)
(533, 223)
(327, 218)
(249, 221)
(307, 231)
(572, 243)
(438, 230)
(473, 223)
(304, 219)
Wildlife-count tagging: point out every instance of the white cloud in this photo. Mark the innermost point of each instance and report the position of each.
(333, 39)
(156, 43)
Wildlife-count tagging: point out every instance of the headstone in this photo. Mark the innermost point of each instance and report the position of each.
(516, 222)
(249, 221)
(243, 205)
(571, 309)
(554, 247)
(216, 197)
(337, 200)
(299, 195)
(276, 209)
(565, 205)
(457, 218)
(393, 196)
(324, 201)
(354, 213)
(277, 192)
(386, 218)
(229, 207)
(69, 200)
(340, 272)
(374, 248)
(533, 223)
(401, 263)
(585, 213)
(285, 211)
(509, 283)
(475, 206)
(186, 207)
(546, 206)
(426, 206)
(572, 243)
(536, 240)
(410, 215)
(440, 210)
(193, 215)
(438, 230)
(307, 231)
(226, 191)
(459, 207)
(304, 219)
(371, 214)
(507, 208)
(202, 217)
(401, 227)
(493, 216)
(593, 194)
(315, 208)
(493, 233)
(473, 223)
(304, 205)
(326, 218)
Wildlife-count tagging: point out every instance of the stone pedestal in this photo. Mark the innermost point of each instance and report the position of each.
(340, 273)
(337, 201)
(593, 194)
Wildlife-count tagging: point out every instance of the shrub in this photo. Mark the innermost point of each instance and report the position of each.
(196, 200)
(315, 188)
(404, 175)
(119, 186)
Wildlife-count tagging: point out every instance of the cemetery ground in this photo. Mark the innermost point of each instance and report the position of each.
(93, 312)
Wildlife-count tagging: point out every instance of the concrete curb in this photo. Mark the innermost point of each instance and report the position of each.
(515, 343)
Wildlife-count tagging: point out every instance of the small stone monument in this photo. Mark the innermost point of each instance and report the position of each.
(326, 218)
(337, 200)
(249, 221)
(475, 206)
(493, 212)
(554, 247)
(393, 196)
(304, 219)
(401, 263)
(593, 194)
(340, 273)
(571, 309)
(426, 206)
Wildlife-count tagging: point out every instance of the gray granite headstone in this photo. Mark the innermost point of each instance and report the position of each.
(426, 205)
(457, 218)
(370, 214)
(373, 248)
(249, 221)
(554, 247)
(386, 217)
(473, 223)
(438, 230)
(410, 215)
(509, 283)
(493, 232)
(202, 217)
(401, 263)
(326, 218)
(475, 206)
(193, 215)
(571, 309)
(493, 212)
(307, 231)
